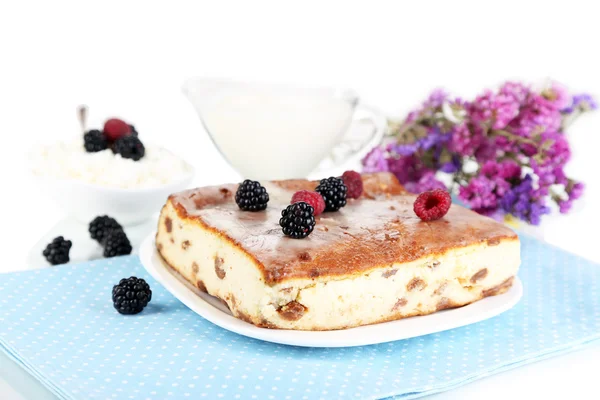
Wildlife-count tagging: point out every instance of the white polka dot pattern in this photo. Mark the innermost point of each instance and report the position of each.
(59, 324)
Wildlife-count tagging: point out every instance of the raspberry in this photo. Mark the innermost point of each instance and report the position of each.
(354, 183)
(312, 198)
(432, 205)
(115, 128)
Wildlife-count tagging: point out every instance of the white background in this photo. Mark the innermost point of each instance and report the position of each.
(129, 59)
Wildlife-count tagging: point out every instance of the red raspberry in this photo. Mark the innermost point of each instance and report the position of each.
(354, 183)
(432, 205)
(115, 128)
(312, 198)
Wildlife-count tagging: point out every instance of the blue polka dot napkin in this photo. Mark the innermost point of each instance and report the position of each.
(59, 324)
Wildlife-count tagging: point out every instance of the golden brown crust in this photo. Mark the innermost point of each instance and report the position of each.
(379, 229)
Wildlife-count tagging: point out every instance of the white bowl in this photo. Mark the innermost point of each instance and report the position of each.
(85, 201)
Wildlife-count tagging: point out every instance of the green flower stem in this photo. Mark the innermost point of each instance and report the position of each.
(514, 137)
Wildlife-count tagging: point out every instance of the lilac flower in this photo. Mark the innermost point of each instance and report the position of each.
(412, 116)
(375, 161)
(436, 99)
(549, 169)
(405, 149)
(558, 94)
(582, 101)
(427, 182)
(533, 211)
(465, 140)
(495, 110)
(479, 193)
(585, 101)
(484, 191)
(516, 90)
(574, 192)
(486, 151)
(504, 144)
(560, 178)
(564, 206)
(407, 169)
(537, 114)
(559, 152)
(433, 138)
(451, 166)
(510, 170)
(501, 173)
(506, 132)
(521, 202)
(433, 102)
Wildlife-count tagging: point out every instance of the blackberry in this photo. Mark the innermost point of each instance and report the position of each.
(57, 251)
(333, 191)
(251, 196)
(133, 131)
(116, 243)
(129, 146)
(94, 141)
(131, 295)
(100, 227)
(297, 220)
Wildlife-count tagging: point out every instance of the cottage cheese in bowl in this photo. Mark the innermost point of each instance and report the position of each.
(69, 160)
(86, 185)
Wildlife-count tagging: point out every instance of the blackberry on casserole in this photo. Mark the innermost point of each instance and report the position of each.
(334, 192)
(57, 251)
(297, 220)
(116, 244)
(94, 141)
(129, 147)
(131, 295)
(251, 196)
(101, 225)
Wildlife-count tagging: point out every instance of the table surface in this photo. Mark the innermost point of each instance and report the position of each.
(566, 375)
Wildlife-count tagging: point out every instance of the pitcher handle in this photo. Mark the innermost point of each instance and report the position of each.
(356, 143)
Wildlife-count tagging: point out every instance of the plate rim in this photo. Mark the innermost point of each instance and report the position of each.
(384, 332)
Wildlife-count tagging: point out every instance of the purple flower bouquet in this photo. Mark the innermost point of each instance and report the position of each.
(503, 153)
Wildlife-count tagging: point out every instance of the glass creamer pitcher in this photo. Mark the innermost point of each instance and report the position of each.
(269, 131)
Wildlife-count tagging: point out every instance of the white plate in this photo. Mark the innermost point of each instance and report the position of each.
(214, 311)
